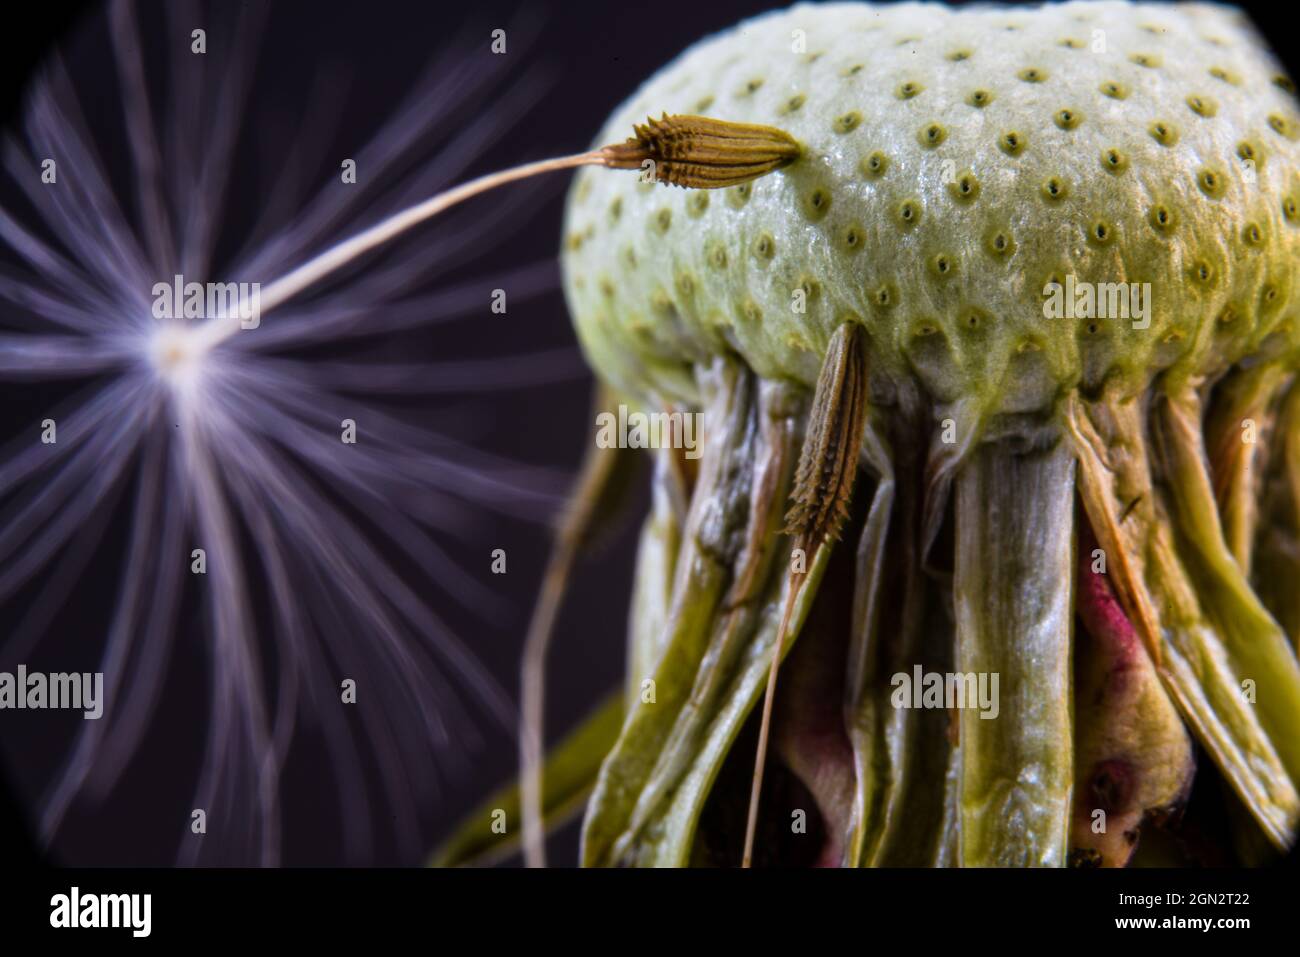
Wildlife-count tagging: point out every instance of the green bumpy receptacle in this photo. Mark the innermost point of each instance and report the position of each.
(955, 164)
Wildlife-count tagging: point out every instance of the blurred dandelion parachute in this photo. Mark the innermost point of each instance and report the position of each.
(225, 441)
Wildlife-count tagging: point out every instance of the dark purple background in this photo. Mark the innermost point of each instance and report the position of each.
(597, 53)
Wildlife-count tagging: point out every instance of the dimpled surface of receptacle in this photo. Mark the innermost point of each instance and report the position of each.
(955, 163)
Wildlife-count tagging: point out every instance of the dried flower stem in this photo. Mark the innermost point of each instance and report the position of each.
(600, 477)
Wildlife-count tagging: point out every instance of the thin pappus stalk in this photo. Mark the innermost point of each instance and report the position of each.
(689, 151)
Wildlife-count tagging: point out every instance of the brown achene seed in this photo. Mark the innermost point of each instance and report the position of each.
(699, 152)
